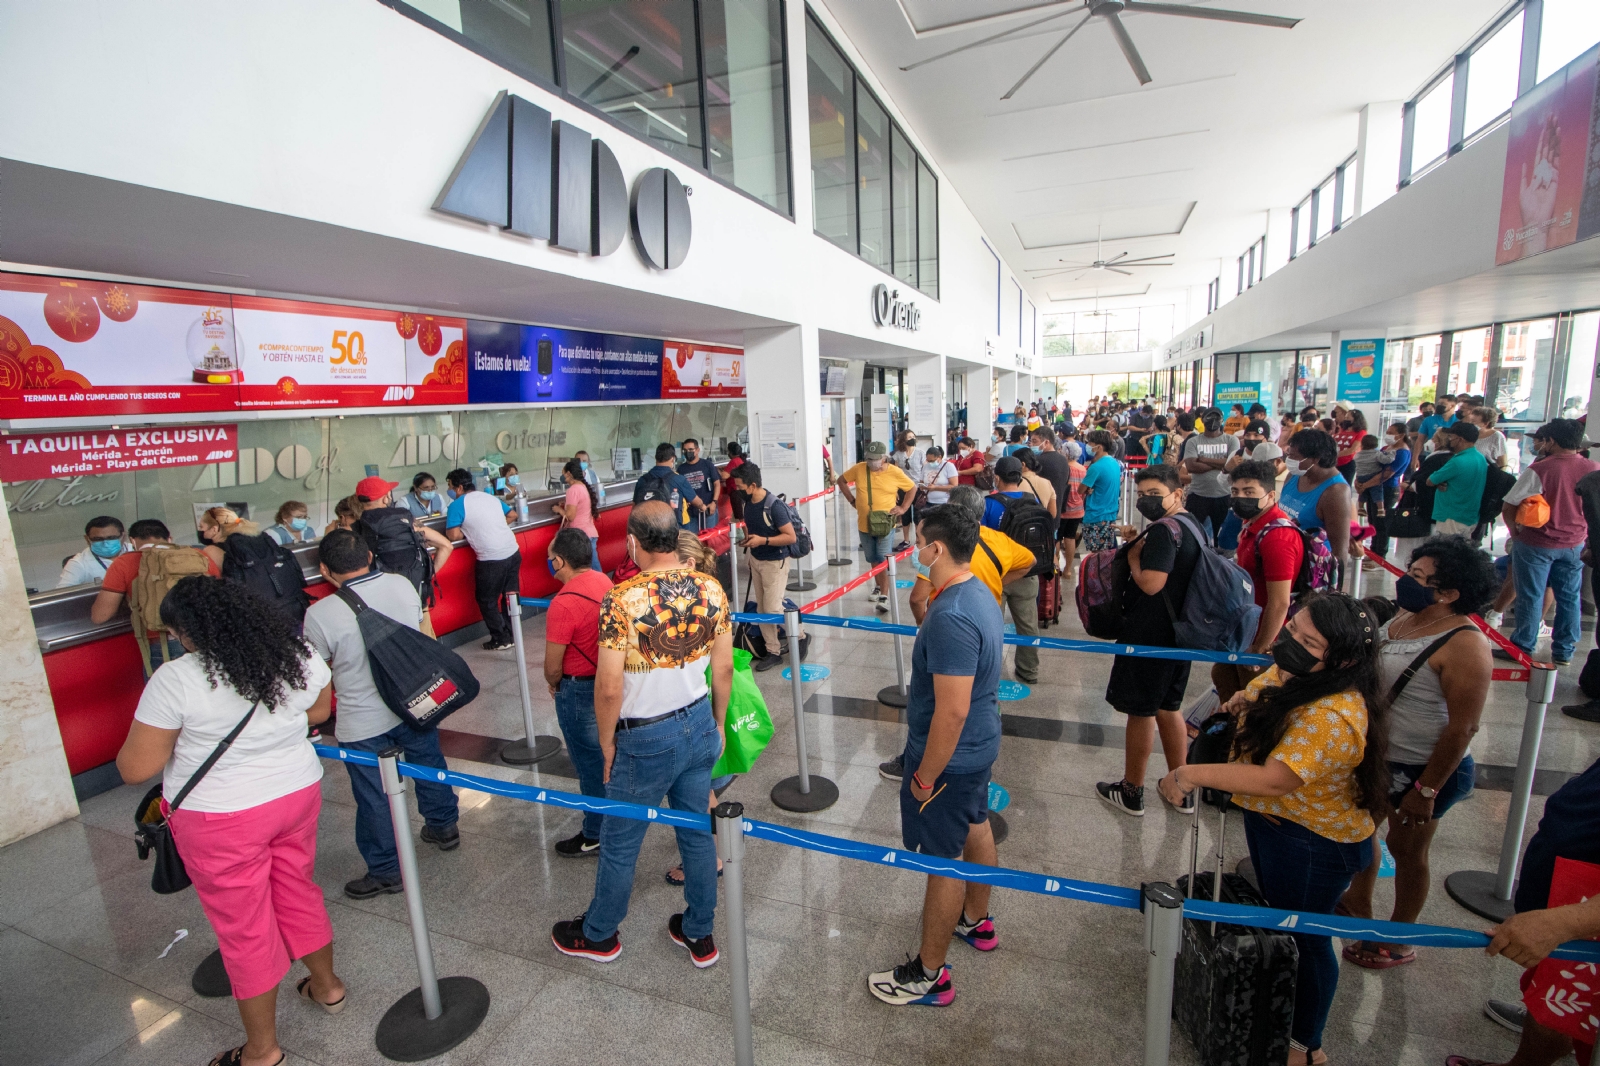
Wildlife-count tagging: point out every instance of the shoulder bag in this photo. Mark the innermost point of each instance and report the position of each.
(419, 679)
(879, 523)
(152, 833)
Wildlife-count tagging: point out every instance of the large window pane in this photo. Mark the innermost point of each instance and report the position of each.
(1580, 356)
(1469, 361)
(1567, 29)
(927, 230)
(1522, 381)
(748, 141)
(872, 171)
(1325, 207)
(1430, 136)
(1492, 75)
(831, 86)
(637, 62)
(903, 197)
(514, 33)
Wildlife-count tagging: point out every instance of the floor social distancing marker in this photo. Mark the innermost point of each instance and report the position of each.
(902, 583)
(808, 672)
(1014, 690)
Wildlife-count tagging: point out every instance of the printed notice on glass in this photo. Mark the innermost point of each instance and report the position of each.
(925, 405)
(621, 459)
(778, 441)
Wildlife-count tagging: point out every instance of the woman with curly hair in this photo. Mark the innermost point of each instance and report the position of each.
(1308, 767)
(247, 830)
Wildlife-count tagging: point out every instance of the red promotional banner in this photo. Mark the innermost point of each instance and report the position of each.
(35, 456)
(701, 371)
(1547, 157)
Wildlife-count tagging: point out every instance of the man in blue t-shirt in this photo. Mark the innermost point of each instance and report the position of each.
(663, 482)
(953, 737)
(706, 481)
(1102, 490)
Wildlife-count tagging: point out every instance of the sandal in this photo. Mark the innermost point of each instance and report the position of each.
(235, 1056)
(303, 990)
(1309, 1058)
(1371, 956)
(677, 882)
(1462, 1060)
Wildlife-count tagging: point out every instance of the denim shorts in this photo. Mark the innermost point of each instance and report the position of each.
(939, 826)
(1403, 776)
(875, 550)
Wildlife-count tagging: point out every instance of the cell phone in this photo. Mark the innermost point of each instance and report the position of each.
(499, 484)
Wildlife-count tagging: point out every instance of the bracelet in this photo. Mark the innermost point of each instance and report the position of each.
(915, 780)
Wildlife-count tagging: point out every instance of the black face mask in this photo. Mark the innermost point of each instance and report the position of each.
(1246, 507)
(1412, 595)
(1152, 507)
(1292, 656)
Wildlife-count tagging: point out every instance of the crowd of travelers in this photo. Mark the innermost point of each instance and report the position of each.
(1360, 729)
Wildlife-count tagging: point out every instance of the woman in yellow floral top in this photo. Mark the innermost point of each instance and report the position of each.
(1308, 768)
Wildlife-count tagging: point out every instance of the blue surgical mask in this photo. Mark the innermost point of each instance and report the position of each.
(428, 494)
(550, 565)
(514, 479)
(106, 549)
(583, 464)
(299, 522)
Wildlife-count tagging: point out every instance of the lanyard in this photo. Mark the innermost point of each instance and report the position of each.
(956, 580)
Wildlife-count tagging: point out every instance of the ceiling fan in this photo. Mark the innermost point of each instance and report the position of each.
(1117, 264)
(1111, 11)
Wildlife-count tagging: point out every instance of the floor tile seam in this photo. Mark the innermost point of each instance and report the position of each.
(95, 965)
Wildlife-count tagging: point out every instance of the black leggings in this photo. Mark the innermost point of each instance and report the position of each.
(495, 578)
(1215, 508)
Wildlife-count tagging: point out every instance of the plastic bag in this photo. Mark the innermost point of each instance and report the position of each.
(747, 729)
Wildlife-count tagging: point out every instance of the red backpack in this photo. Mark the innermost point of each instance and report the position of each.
(1101, 578)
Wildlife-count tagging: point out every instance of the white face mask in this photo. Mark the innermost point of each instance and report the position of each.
(1305, 466)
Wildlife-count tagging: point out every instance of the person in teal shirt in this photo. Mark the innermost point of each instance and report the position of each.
(1459, 482)
(1102, 487)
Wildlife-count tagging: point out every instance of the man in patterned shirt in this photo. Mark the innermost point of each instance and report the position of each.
(660, 730)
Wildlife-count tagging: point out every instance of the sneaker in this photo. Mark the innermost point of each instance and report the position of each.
(1129, 799)
(894, 769)
(1546, 631)
(577, 845)
(497, 645)
(702, 952)
(980, 934)
(569, 940)
(368, 886)
(1504, 656)
(908, 984)
(767, 662)
(1509, 1013)
(1186, 807)
(882, 605)
(1583, 712)
(1494, 619)
(447, 839)
(1561, 661)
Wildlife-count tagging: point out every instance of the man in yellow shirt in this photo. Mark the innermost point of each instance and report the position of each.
(877, 487)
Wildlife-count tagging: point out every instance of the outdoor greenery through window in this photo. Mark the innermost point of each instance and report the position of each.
(1126, 329)
(871, 192)
(702, 80)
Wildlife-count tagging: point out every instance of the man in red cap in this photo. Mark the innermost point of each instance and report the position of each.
(398, 542)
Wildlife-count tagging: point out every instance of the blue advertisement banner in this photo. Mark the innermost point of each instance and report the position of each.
(508, 363)
(1361, 370)
(1243, 393)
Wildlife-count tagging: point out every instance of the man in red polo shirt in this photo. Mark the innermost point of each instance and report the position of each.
(571, 650)
(1271, 552)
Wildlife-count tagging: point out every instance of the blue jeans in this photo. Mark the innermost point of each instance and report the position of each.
(1299, 870)
(1561, 569)
(174, 650)
(672, 758)
(374, 826)
(575, 715)
(594, 552)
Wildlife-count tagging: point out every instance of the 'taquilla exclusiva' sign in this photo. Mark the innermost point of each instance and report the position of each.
(552, 181)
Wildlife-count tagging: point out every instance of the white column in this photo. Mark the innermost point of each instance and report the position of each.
(1008, 390)
(35, 784)
(1377, 155)
(925, 398)
(980, 416)
(782, 371)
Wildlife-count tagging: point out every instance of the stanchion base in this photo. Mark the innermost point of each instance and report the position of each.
(210, 979)
(892, 696)
(519, 754)
(787, 795)
(840, 562)
(1474, 890)
(801, 586)
(405, 1035)
(998, 826)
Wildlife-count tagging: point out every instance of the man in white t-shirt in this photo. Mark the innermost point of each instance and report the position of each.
(364, 721)
(660, 728)
(483, 521)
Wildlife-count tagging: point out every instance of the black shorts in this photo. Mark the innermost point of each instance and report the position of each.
(1069, 528)
(939, 826)
(1141, 687)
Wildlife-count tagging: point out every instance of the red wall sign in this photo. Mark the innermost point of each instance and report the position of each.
(35, 456)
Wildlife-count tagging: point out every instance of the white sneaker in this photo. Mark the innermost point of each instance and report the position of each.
(1545, 631)
(1494, 618)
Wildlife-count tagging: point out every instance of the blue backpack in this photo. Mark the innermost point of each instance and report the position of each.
(1219, 611)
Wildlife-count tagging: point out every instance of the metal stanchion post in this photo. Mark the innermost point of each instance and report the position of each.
(533, 747)
(808, 792)
(895, 695)
(733, 564)
(841, 550)
(1163, 936)
(1488, 895)
(728, 819)
(436, 1016)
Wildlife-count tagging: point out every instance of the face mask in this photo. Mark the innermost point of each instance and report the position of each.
(1292, 657)
(1412, 595)
(299, 522)
(428, 494)
(106, 549)
(1305, 466)
(1246, 507)
(1152, 507)
(583, 464)
(550, 565)
(514, 479)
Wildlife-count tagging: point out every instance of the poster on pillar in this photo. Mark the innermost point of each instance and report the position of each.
(701, 372)
(1542, 201)
(1361, 370)
(1243, 393)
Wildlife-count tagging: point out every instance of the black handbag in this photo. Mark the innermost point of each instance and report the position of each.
(153, 835)
(1408, 519)
(419, 679)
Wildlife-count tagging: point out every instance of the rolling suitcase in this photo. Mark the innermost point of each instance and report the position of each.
(1233, 994)
(1049, 600)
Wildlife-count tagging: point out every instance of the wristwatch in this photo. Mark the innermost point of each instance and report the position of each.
(1427, 793)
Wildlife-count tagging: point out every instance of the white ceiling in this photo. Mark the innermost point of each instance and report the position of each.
(1237, 120)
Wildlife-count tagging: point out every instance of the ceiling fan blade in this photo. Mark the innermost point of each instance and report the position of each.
(1249, 17)
(992, 38)
(1120, 31)
(1044, 58)
(1052, 274)
(1124, 273)
(1114, 258)
(1080, 277)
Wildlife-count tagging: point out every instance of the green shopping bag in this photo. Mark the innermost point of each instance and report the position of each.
(748, 727)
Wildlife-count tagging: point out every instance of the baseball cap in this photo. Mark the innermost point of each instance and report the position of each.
(876, 449)
(1265, 452)
(1465, 430)
(371, 488)
(1008, 469)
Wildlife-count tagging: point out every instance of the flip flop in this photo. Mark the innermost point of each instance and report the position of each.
(235, 1055)
(678, 869)
(1365, 954)
(303, 990)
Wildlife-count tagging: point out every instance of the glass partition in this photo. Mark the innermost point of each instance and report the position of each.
(1469, 360)
(1521, 379)
(1577, 381)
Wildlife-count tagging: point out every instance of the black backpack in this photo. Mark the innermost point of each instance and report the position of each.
(268, 569)
(1030, 525)
(1219, 611)
(802, 536)
(397, 547)
(1496, 483)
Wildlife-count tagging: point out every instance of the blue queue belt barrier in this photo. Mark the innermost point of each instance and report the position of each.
(1000, 877)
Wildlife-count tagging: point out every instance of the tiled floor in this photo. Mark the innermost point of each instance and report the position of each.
(81, 933)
